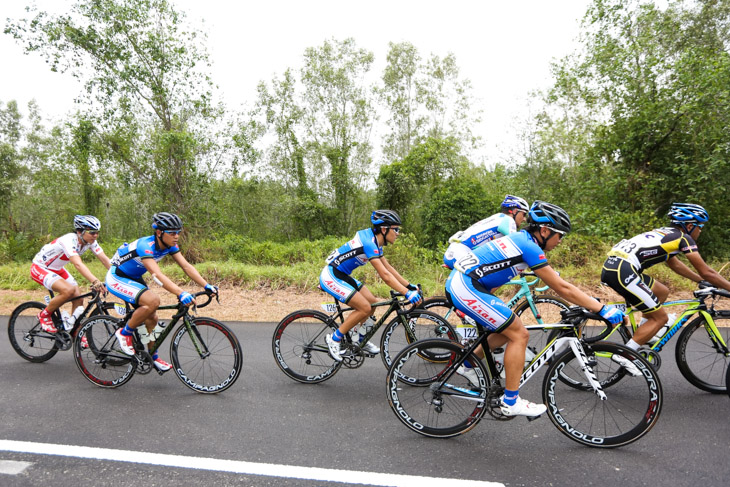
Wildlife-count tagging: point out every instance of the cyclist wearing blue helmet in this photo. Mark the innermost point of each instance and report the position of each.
(498, 225)
(335, 278)
(624, 268)
(491, 265)
(132, 261)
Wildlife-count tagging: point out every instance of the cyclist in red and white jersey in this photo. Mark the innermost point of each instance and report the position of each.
(48, 266)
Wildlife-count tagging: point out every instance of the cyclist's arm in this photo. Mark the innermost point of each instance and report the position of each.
(104, 259)
(567, 290)
(189, 269)
(81, 267)
(389, 275)
(166, 282)
(705, 271)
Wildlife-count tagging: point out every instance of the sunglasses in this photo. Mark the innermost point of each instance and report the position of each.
(560, 233)
(92, 233)
(169, 232)
(395, 229)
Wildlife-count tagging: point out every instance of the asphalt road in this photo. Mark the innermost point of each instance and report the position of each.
(342, 424)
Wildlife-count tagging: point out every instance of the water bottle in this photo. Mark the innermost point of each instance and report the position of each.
(366, 327)
(671, 318)
(67, 325)
(158, 330)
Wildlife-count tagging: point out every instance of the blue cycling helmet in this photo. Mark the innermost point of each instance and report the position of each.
(516, 202)
(687, 213)
(87, 222)
(166, 221)
(385, 218)
(543, 214)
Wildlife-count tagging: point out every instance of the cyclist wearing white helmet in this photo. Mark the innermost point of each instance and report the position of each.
(335, 278)
(132, 261)
(498, 225)
(48, 266)
(624, 268)
(491, 265)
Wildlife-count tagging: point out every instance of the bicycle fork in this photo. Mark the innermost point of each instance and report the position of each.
(582, 358)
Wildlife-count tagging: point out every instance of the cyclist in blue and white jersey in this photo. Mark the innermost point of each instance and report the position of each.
(491, 265)
(132, 261)
(335, 278)
(498, 225)
(623, 270)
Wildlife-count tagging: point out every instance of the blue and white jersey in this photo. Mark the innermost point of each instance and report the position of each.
(498, 261)
(128, 258)
(356, 252)
(460, 243)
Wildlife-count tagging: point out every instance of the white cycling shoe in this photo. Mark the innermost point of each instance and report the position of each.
(470, 374)
(522, 407)
(370, 347)
(626, 364)
(335, 348)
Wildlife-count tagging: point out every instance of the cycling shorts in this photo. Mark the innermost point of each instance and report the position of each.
(47, 277)
(469, 296)
(124, 287)
(338, 284)
(631, 284)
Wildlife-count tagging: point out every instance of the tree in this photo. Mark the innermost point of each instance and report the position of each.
(143, 73)
(10, 133)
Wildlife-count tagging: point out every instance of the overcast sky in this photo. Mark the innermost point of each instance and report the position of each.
(504, 47)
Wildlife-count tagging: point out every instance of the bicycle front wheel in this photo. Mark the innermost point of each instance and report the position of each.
(26, 336)
(99, 357)
(411, 327)
(700, 356)
(426, 400)
(206, 357)
(300, 349)
(631, 407)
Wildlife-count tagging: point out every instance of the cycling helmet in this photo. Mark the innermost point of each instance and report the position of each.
(688, 213)
(545, 214)
(87, 222)
(515, 202)
(166, 221)
(385, 217)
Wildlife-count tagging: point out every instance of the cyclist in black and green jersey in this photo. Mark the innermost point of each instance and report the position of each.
(624, 268)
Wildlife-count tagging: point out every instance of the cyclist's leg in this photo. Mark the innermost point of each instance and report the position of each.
(63, 289)
(516, 337)
(350, 291)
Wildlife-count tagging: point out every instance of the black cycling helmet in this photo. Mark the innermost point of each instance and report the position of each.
(166, 221)
(384, 218)
(87, 222)
(543, 214)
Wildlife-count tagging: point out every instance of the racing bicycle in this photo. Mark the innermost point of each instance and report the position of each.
(301, 352)
(206, 355)
(35, 345)
(619, 402)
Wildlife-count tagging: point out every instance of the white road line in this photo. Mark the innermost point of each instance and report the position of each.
(11, 467)
(248, 468)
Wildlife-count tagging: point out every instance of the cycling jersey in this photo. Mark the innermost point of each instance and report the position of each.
(55, 255)
(651, 248)
(356, 252)
(498, 261)
(485, 230)
(128, 258)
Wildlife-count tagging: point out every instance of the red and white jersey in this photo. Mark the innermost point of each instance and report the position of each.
(56, 254)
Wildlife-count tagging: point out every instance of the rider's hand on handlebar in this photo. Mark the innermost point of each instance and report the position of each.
(413, 297)
(185, 298)
(209, 288)
(412, 287)
(611, 314)
(98, 286)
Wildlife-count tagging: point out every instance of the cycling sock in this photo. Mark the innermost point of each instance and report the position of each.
(337, 336)
(467, 364)
(127, 331)
(45, 312)
(155, 356)
(632, 344)
(510, 397)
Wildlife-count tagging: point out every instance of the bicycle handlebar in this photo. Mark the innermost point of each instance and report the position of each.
(705, 291)
(576, 314)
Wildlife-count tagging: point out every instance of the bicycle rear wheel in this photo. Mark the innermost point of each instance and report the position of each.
(421, 324)
(548, 310)
(700, 357)
(441, 306)
(300, 349)
(26, 336)
(207, 358)
(425, 402)
(100, 359)
(630, 410)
